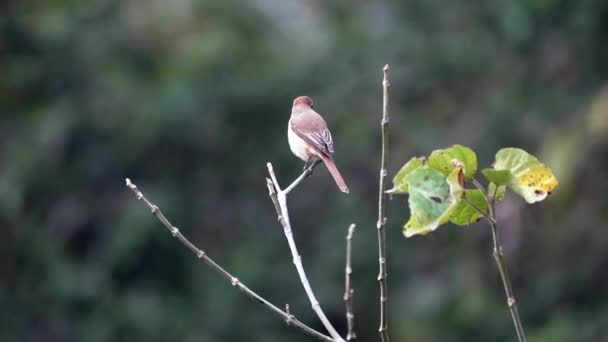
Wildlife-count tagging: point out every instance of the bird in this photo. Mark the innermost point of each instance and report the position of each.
(309, 138)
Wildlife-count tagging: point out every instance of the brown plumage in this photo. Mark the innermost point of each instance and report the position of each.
(309, 137)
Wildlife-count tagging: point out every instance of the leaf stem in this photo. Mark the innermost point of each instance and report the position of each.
(500, 262)
(472, 205)
(506, 282)
(488, 199)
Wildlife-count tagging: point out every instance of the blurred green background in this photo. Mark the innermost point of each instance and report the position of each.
(190, 99)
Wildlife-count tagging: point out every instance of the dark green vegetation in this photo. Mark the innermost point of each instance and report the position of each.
(190, 99)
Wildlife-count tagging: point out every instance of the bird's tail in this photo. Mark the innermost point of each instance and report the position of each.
(331, 166)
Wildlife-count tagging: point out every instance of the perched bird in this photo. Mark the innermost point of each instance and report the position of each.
(309, 137)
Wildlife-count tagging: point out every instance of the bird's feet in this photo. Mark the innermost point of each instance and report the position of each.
(306, 165)
(310, 165)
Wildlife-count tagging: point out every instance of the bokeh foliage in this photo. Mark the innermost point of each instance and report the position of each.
(191, 98)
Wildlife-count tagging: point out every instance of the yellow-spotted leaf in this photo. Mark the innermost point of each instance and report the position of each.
(433, 197)
(399, 184)
(465, 214)
(530, 178)
(447, 159)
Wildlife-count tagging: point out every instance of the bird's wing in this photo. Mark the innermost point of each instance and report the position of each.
(311, 127)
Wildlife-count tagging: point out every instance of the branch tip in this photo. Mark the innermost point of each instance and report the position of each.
(348, 290)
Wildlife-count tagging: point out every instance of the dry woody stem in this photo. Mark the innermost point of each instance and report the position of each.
(279, 199)
(381, 224)
(289, 318)
(348, 290)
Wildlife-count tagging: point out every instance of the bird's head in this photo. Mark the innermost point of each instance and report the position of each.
(303, 100)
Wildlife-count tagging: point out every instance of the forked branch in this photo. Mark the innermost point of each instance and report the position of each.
(289, 318)
(279, 199)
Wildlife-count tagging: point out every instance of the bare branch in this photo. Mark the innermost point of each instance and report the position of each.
(381, 224)
(307, 172)
(348, 290)
(289, 318)
(279, 199)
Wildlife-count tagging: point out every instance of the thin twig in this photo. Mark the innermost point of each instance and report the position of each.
(348, 290)
(381, 224)
(307, 172)
(289, 318)
(502, 267)
(279, 199)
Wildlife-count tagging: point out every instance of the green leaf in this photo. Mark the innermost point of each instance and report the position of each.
(433, 197)
(399, 183)
(447, 159)
(498, 177)
(498, 193)
(464, 214)
(530, 178)
(414, 227)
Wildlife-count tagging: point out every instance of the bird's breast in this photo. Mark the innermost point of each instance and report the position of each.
(298, 146)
